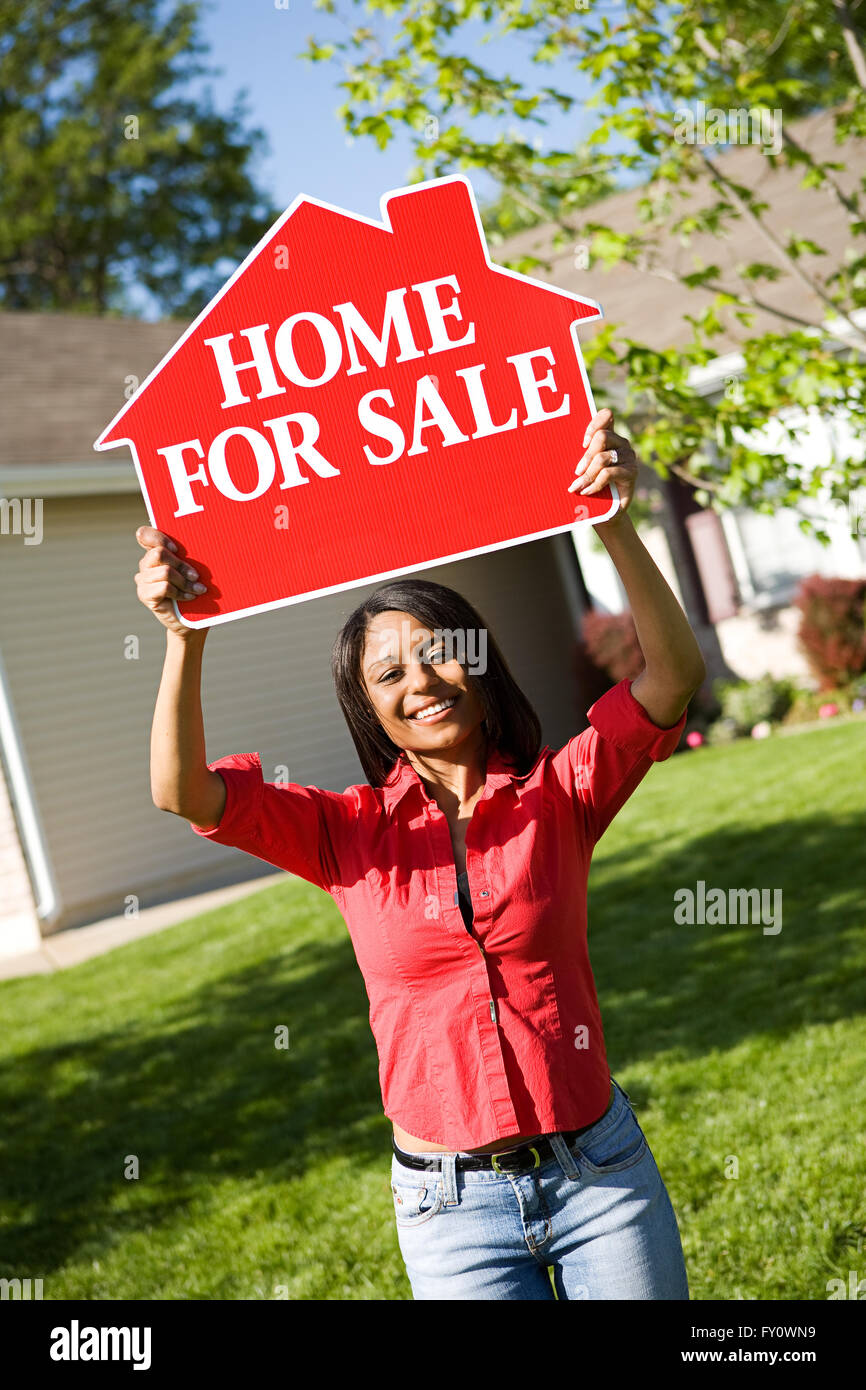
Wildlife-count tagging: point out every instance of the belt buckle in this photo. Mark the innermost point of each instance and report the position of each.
(532, 1150)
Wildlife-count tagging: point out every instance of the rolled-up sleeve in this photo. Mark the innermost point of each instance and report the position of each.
(607, 761)
(291, 826)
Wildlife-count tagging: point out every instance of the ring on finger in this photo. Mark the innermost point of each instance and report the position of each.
(613, 456)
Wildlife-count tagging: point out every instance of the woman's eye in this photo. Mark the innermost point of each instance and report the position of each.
(435, 654)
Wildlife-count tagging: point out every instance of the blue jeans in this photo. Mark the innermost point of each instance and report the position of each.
(598, 1214)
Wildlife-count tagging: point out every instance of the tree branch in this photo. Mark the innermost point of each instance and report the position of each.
(745, 300)
(807, 281)
(855, 52)
(721, 182)
(710, 51)
(643, 264)
(688, 477)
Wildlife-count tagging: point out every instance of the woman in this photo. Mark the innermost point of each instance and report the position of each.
(460, 868)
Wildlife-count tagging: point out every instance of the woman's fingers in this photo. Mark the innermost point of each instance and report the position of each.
(602, 420)
(600, 453)
(148, 536)
(163, 579)
(608, 458)
(180, 575)
(590, 470)
(158, 557)
(603, 470)
(162, 582)
(601, 479)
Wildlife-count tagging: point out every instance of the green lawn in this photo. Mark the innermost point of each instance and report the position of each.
(730, 1042)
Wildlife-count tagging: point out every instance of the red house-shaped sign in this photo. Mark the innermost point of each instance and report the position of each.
(362, 399)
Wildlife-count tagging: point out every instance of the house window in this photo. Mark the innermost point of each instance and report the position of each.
(777, 554)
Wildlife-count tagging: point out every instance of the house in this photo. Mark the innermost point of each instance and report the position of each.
(80, 657)
(736, 573)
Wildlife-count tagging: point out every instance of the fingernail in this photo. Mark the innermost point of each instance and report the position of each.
(172, 546)
(587, 437)
(580, 467)
(190, 572)
(200, 588)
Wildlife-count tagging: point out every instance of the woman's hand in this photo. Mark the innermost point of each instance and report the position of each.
(608, 458)
(163, 576)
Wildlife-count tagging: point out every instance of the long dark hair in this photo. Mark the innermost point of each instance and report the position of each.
(510, 721)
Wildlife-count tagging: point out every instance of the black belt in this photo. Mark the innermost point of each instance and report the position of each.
(523, 1158)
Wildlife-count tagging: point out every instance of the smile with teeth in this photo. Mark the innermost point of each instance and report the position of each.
(430, 711)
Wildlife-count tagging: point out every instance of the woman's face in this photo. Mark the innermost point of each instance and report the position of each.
(407, 668)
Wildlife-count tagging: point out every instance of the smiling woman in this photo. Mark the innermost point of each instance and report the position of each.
(460, 868)
(410, 644)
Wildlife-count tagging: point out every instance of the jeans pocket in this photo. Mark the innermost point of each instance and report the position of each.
(614, 1144)
(415, 1200)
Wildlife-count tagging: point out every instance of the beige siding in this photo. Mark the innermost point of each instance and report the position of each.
(84, 710)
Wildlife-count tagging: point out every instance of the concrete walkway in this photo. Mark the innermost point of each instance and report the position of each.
(70, 947)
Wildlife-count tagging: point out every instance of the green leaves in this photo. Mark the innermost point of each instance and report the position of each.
(376, 126)
(797, 246)
(643, 68)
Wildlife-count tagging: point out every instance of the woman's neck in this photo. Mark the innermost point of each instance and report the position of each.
(454, 781)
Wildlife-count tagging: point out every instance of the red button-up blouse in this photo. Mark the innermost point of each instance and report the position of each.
(484, 1035)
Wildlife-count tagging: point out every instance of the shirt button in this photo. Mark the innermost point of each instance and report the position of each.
(484, 893)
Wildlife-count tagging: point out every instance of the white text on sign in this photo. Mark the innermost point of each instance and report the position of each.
(291, 438)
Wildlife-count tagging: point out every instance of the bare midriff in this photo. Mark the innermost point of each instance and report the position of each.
(411, 1144)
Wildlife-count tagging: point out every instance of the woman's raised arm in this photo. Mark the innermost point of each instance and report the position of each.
(675, 666)
(180, 780)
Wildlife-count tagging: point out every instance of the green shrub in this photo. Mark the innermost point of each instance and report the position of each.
(746, 703)
(806, 703)
(722, 731)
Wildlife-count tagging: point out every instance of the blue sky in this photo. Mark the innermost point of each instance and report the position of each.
(294, 102)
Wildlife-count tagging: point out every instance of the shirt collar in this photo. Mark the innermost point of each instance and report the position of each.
(500, 772)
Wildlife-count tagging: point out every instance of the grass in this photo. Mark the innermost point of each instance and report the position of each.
(263, 1172)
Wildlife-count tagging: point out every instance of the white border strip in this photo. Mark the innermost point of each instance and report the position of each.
(21, 791)
(408, 569)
